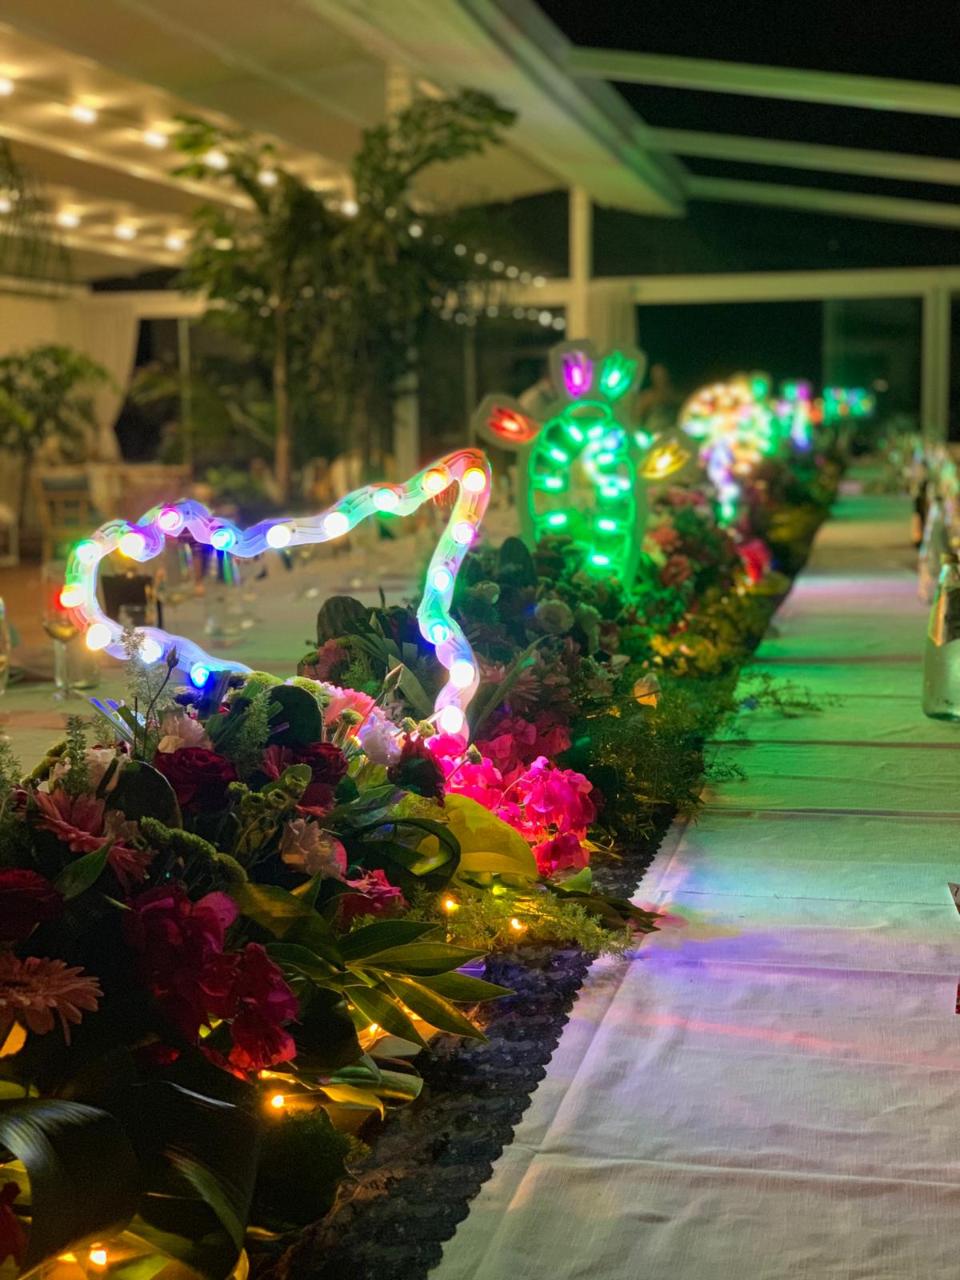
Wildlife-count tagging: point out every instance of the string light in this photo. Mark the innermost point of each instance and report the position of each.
(98, 1257)
(170, 519)
(6, 86)
(278, 1101)
(174, 242)
(268, 177)
(83, 114)
(216, 159)
(71, 597)
(68, 219)
(124, 231)
(387, 499)
(349, 208)
(155, 139)
(450, 905)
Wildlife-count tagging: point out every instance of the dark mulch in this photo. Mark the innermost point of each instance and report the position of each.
(430, 1159)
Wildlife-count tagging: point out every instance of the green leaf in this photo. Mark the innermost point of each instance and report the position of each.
(582, 882)
(418, 958)
(291, 955)
(464, 988)
(84, 1177)
(271, 907)
(378, 1006)
(298, 713)
(433, 1008)
(81, 873)
(384, 934)
(483, 836)
(143, 792)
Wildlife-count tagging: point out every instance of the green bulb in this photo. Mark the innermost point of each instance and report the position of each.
(606, 525)
(558, 455)
(557, 519)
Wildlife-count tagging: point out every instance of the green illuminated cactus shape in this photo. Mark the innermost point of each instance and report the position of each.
(582, 466)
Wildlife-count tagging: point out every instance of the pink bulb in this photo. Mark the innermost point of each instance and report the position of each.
(170, 520)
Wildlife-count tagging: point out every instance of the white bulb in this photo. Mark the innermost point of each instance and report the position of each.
(6, 204)
(215, 159)
(267, 177)
(415, 230)
(451, 719)
(335, 524)
(349, 208)
(442, 578)
(174, 242)
(67, 218)
(98, 636)
(124, 231)
(462, 674)
(83, 114)
(474, 480)
(386, 499)
(132, 544)
(463, 532)
(279, 535)
(150, 650)
(154, 138)
(6, 86)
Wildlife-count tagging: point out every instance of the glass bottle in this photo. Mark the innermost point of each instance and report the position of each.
(935, 544)
(941, 659)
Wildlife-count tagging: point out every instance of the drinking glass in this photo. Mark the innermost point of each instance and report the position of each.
(75, 668)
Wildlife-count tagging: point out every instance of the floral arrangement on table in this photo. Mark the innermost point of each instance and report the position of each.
(221, 904)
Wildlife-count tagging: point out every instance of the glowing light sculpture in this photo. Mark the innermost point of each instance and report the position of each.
(582, 468)
(468, 469)
(794, 411)
(842, 403)
(735, 429)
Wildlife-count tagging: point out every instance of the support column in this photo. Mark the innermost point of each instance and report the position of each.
(935, 384)
(398, 92)
(581, 262)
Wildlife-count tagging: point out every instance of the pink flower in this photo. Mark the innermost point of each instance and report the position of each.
(305, 846)
(34, 990)
(341, 700)
(551, 797)
(559, 853)
(84, 824)
(373, 895)
(98, 760)
(756, 558)
(179, 729)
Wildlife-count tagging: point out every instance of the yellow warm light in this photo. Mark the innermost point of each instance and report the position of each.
(278, 1101)
(517, 925)
(373, 1028)
(436, 481)
(450, 905)
(98, 1257)
(665, 461)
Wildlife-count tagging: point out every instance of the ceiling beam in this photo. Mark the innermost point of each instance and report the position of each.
(583, 134)
(830, 87)
(930, 213)
(808, 155)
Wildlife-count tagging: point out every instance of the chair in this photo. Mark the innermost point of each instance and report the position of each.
(65, 510)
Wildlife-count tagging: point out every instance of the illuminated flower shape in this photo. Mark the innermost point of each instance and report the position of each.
(735, 427)
(583, 468)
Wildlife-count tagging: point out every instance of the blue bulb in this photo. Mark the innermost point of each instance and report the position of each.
(199, 674)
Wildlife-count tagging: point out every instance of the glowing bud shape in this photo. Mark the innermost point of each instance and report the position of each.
(451, 719)
(279, 535)
(577, 373)
(98, 636)
(462, 674)
(463, 532)
(436, 480)
(474, 480)
(170, 520)
(335, 524)
(132, 544)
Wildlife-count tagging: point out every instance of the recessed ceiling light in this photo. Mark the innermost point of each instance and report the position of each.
(83, 114)
(6, 86)
(154, 138)
(67, 218)
(124, 231)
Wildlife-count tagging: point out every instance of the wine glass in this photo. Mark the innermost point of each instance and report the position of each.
(74, 668)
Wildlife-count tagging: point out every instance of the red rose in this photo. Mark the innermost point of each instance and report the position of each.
(373, 895)
(417, 770)
(199, 777)
(26, 900)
